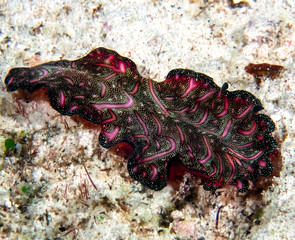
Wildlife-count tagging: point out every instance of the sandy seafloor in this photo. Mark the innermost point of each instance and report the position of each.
(45, 192)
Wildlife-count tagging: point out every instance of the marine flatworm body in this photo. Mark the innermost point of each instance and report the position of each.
(215, 133)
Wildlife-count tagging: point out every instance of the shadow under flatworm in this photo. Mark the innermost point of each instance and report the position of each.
(215, 133)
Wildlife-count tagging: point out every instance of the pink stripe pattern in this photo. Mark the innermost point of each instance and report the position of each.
(216, 134)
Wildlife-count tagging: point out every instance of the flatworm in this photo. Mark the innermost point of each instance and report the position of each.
(216, 134)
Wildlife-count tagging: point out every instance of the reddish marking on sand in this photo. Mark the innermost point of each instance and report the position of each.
(89, 176)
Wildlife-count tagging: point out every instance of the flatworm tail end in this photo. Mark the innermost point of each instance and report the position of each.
(221, 134)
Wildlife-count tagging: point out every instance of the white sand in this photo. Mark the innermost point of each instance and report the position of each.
(206, 36)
